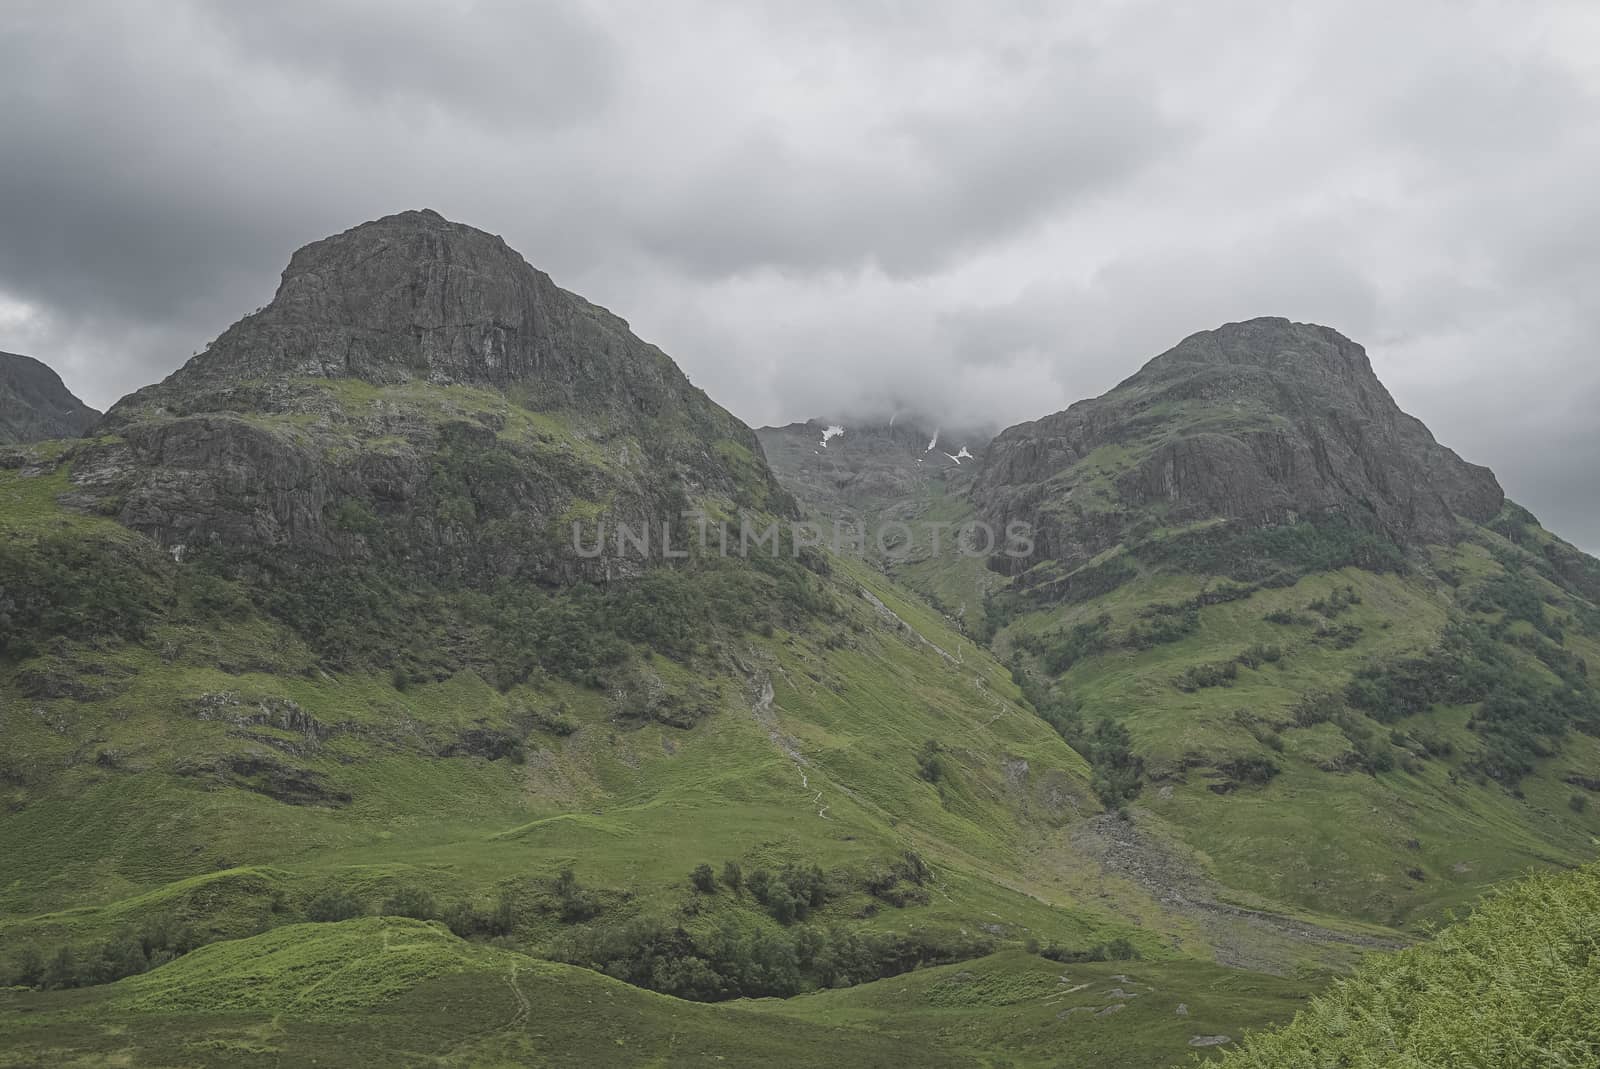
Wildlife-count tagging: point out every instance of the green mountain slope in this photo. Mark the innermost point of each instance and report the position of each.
(337, 713)
(386, 991)
(304, 637)
(1336, 669)
(1353, 678)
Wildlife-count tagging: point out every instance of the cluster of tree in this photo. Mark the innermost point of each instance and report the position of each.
(790, 894)
(1515, 595)
(930, 761)
(1118, 949)
(1259, 654)
(125, 954)
(1117, 772)
(1159, 624)
(1337, 603)
(749, 959)
(1520, 717)
(1285, 618)
(1201, 676)
(76, 587)
(379, 615)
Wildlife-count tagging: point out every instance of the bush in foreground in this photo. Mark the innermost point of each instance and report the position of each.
(1516, 986)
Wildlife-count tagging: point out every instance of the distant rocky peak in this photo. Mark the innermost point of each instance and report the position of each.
(35, 405)
(1313, 354)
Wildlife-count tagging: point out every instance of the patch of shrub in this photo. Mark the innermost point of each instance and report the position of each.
(1339, 636)
(413, 902)
(574, 903)
(1203, 676)
(703, 879)
(1118, 949)
(470, 921)
(791, 893)
(1163, 625)
(1252, 769)
(128, 953)
(1260, 654)
(1274, 555)
(333, 904)
(1313, 709)
(1336, 603)
(930, 761)
(902, 883)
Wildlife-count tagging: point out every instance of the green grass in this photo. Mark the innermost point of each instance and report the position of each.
(1517, 985)
(1396, 848)
(386, 991)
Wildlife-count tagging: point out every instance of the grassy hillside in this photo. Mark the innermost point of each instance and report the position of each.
(388, 991)
(1517, 985)
(195, 788)
(1373, 742)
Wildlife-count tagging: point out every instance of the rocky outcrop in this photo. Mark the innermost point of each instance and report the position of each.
(1263, 422)
(417, 392)
(35, 405)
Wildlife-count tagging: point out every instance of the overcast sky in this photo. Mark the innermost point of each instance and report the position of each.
(984, 210)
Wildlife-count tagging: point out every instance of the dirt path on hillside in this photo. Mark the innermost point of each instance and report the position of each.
(1241, 938)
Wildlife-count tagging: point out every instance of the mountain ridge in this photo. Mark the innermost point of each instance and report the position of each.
(35, 405)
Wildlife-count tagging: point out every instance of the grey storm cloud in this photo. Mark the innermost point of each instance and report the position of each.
(979, 211)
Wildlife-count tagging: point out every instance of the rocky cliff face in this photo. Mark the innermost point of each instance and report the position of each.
(35, 405)
(1262, 422)
(417, 391)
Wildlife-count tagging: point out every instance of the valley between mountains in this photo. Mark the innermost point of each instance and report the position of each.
(324, 740)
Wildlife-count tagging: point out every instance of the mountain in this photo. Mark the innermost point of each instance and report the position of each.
(35, 405)
(1320, 650)
(343, 724)
(416, 392)
(304, 675)
(1258, 423)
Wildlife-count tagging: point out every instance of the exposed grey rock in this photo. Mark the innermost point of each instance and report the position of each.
(1209, 1041)
(1262, 422)
(35, 405)
(268, 775)
(288, 432)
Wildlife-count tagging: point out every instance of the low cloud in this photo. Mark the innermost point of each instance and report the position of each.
(982, 213)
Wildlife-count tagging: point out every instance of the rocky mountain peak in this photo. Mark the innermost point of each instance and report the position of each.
(417, 391)
(1262, 422)
(414, 297)
(1267, 342)
(36, 405)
